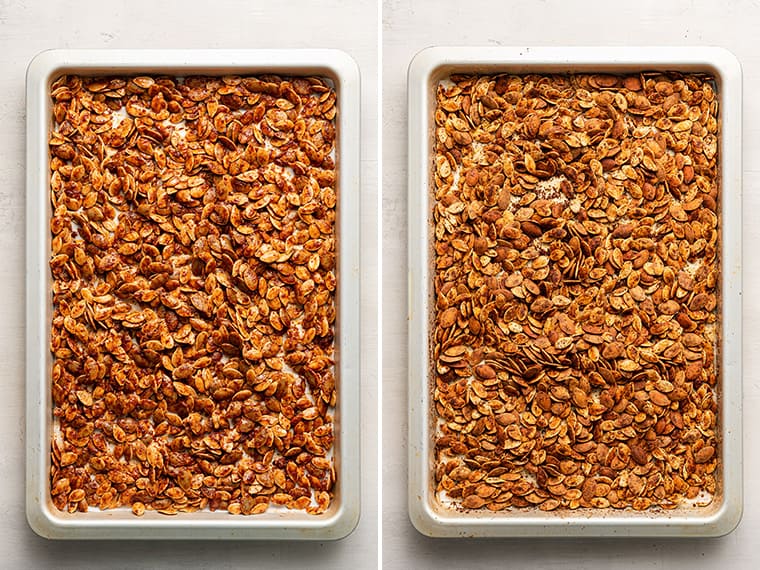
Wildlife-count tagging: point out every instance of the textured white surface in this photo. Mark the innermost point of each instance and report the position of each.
(28, 27)
(409, 26)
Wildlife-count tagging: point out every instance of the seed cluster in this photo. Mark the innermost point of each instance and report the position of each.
(576, 278)
(193, 264)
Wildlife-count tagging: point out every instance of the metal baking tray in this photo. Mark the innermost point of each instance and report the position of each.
(343, 514)
(428, 514)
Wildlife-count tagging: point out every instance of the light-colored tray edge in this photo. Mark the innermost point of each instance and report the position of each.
(341, 518)
(429, 65)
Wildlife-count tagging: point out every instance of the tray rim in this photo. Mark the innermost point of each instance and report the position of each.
(429, 65)
(340, 520)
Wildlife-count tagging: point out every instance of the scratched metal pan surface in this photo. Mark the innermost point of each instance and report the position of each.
(277, 523)
(430, 514)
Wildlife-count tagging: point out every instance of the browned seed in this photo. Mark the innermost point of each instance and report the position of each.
(638, 455)
(449, 317)
(705, 454)
(628, 365)
(531, 229)
(485, 371)
(473, 502)
(659, 398)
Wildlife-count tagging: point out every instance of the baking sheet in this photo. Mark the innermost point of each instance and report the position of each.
(342, 516)
(427, 513)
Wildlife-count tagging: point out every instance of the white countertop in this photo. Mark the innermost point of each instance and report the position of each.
(28, 27)
(410, 25)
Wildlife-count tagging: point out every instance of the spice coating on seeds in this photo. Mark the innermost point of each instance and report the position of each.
(575, 319)
(194, 280)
